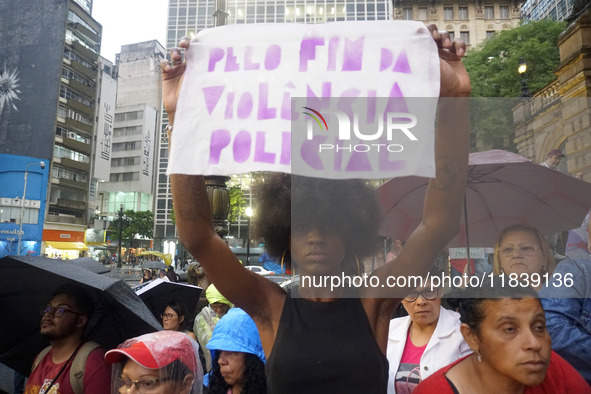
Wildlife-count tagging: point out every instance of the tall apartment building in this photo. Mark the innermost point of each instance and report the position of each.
(472, 21)
(137, 119)
(186, 17)
(52, 51)
(556, 10)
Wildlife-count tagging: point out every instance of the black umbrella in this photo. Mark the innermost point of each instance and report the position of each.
(157, 293)
(90, 264)
(154, 265)
(27, 284)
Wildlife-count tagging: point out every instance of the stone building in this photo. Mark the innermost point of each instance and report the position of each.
(473, 21)
(559, 116)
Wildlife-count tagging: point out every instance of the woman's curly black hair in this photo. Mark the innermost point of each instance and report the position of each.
(254, 376)
(348, 207)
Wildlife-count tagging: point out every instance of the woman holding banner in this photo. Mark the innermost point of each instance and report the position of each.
(320, 339)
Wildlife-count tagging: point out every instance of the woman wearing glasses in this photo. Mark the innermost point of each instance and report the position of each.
(522, 250)
(163, 362)
(427, 339)
(175, 318)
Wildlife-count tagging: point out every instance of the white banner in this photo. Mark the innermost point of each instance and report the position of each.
(235, 106)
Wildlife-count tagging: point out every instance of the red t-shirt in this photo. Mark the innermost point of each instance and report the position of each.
(561, 378)
(96, 380)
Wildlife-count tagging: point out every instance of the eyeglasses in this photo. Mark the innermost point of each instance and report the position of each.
(429, 295)
(166, 316)
(56, 312)
(142, 386)
(524, 250)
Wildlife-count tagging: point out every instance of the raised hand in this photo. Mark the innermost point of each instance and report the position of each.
(455, 81)
(172, 77)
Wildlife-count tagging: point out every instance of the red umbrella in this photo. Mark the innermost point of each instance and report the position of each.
(503, 189)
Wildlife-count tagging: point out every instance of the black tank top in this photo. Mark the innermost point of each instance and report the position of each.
(325, 347)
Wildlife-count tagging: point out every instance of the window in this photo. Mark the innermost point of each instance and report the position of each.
(134, 115)
(465, 36)
(407, 13)
(72, 17)
(68, 113)
(423, 13)
(67, 93)
(489, 12)
(452, 35)
(65, 133)
(62, 173)
(125, 161)
(124, 177)
(490, 34)
(12, 214)
(60, 151)
(448, 13)
(504, 12)
(124, 146)
(463, 12)
(131, 130)
(69, 74)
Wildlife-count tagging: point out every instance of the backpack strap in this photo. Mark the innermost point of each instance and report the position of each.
(79, 366)
(40, 357)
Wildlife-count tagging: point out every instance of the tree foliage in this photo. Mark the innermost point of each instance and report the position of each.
(237, 203)
(135, 225)
(493, 64)
(497, 84)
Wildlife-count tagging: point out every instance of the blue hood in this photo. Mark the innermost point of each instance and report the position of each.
(236, 332)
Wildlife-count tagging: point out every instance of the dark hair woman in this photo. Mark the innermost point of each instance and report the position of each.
(505, 326)
(238, 357)
(176, 318)
(321, 227)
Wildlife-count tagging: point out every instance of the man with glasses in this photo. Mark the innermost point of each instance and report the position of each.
(63, 321)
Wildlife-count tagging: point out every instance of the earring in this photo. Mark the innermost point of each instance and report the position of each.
(479, 357)
(292, 268)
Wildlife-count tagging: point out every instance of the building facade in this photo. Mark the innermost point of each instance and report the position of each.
(472, 21)
(50, 55)
(137, 117)
(558, 116)
(556, 10)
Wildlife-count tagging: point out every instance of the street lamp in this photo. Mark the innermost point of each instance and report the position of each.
(248, 213)
(120, 234)
(20, 230)
(522, 69)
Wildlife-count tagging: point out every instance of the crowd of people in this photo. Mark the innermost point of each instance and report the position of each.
(254, 337)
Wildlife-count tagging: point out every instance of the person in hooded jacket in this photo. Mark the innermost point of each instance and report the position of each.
(206, 320)
(238, 365)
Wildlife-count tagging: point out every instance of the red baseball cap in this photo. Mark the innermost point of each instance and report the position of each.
(156, 350)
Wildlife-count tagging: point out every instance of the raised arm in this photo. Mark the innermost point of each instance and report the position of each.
(444, 197)
(255, 294)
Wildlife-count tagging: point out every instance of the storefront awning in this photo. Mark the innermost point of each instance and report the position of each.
(67, 245)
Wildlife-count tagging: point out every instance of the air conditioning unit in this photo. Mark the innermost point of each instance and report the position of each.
(35, 204)
(5, 201)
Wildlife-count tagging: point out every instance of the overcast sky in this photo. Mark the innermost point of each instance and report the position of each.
(128, 22)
